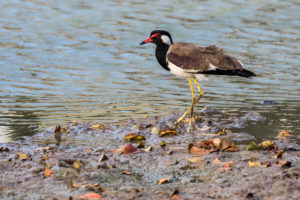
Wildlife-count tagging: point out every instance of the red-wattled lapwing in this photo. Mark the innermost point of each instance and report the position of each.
(193, 62)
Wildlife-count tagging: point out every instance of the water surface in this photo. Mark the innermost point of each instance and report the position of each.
(80, 60)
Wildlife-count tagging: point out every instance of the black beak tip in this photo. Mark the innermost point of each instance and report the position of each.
(142, 43)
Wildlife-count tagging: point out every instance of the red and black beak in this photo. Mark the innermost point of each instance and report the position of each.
(146, 41)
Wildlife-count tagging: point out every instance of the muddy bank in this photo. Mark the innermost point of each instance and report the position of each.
(82, 158)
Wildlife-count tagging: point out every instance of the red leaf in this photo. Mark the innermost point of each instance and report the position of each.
(129, 149)
(90, 196)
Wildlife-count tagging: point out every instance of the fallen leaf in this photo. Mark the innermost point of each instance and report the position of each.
(278, 155)
(47, 172)
(207, 144)
(164, 180)
(267, 145)
(196, 160)
(231, 149)
(285, 163)
(141, 144)
(284, 133)
(98, 126)
(129, 149)
(224, 132)
(148, 149)
(252, 164)
(162, 144)
(96, 187)
(142, 128)
(126, 172)
(168, 132)
(217, 161)
(155, 130)
(103, 157)
(89, 150)
(217, 142)
(68, 130)
(252, 146)
(198, 151)
(226, 167)
(133, 137)
(75, 123)
(119, 150)
(90, 196)
(175, 195)
(226, 144)
(22, 156)
(76, 165)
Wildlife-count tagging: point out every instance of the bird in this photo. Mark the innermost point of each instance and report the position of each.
(193, 62)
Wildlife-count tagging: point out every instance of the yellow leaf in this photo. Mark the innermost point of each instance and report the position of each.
(279, 154)
(133, 137)
(98, 126)
(267, 145)
(196, 160)
(252, 146)
(255, 164)
(284, 133)
(22, 156)
(76, 165)
(168, 132)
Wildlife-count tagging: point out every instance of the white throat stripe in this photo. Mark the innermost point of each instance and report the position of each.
(166, 39)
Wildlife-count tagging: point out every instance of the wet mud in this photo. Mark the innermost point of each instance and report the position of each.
(86, 158)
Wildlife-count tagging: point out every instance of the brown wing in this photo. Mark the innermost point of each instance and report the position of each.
(193, 58)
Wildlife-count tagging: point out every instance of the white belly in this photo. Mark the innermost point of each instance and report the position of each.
(178, 71)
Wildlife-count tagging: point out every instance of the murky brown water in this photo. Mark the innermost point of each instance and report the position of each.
(80, 60)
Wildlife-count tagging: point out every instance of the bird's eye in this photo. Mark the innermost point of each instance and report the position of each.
(157, 35)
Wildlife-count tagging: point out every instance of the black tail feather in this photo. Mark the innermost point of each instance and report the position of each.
(239, 72)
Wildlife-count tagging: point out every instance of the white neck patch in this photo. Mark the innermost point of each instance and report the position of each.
(166, 39)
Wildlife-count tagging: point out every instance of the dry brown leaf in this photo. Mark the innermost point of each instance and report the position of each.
(133, 137)
(98, 126)
(231, 149)
(47, 172)
(196, 160)
(198, 151)
(168, 132)
(207, 144)
(164, 180)
(126, 172)
(129, 149)
(90, 196)
(285, 163)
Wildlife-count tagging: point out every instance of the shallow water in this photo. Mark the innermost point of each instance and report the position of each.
(80, 60)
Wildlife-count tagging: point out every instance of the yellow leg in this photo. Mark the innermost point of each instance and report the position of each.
(194, 102)
(192, 109)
